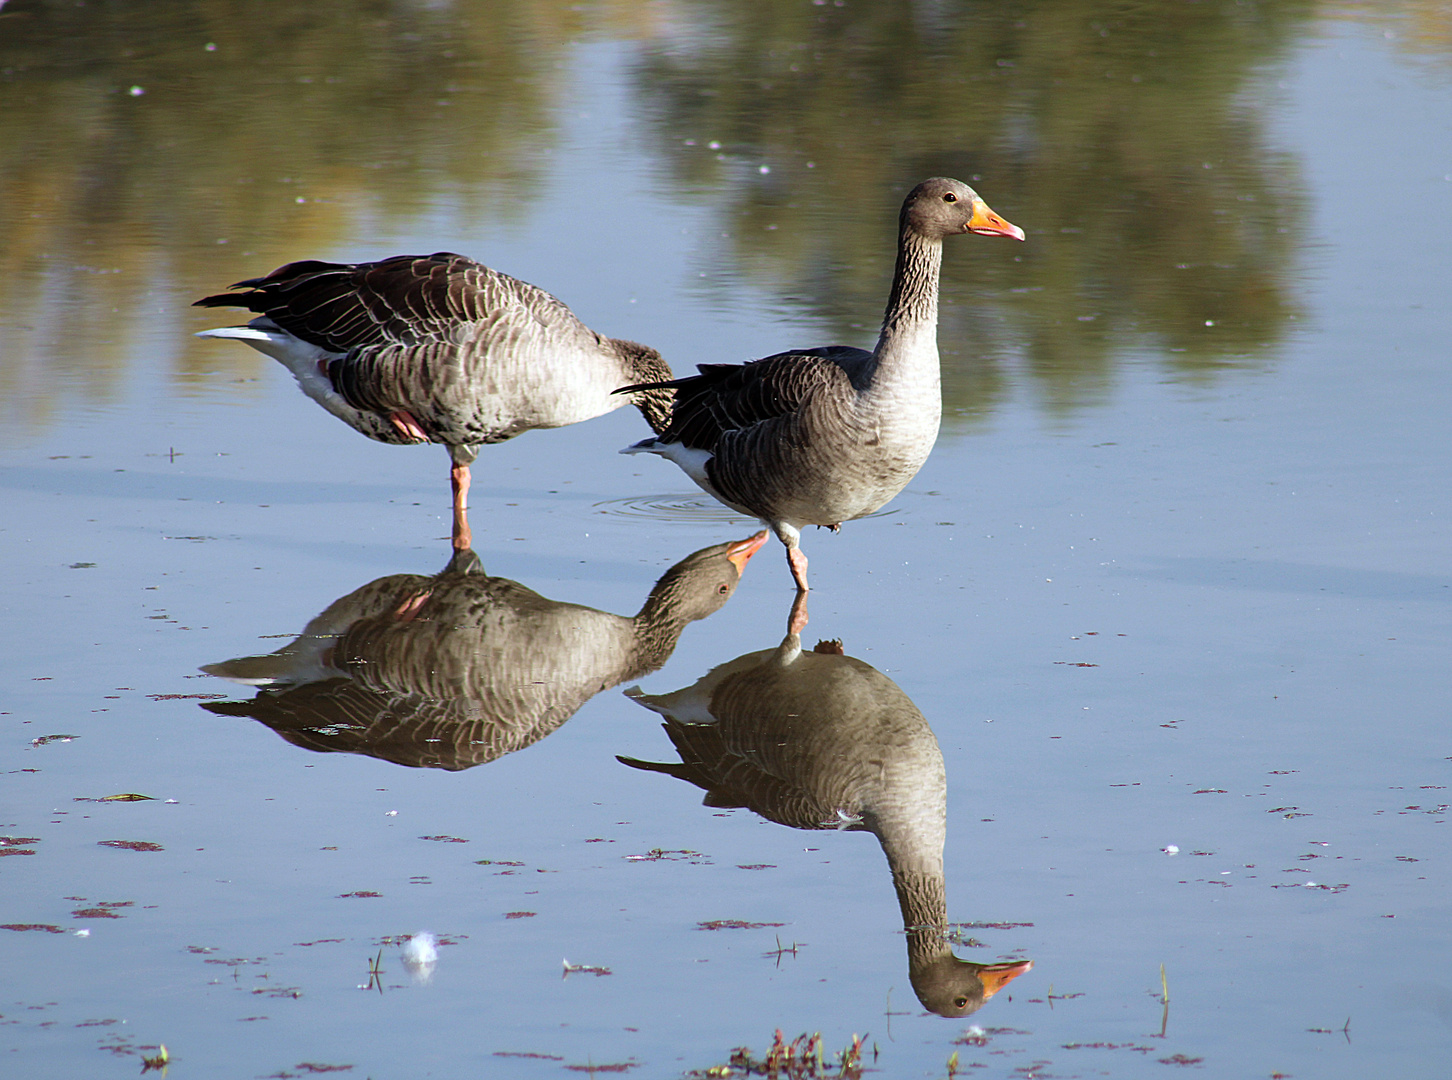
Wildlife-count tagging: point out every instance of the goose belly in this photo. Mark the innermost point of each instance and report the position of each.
(835, 486)
(464, 395)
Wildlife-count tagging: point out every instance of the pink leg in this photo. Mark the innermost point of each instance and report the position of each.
(459, 478)
(797, 621)
(798, 562)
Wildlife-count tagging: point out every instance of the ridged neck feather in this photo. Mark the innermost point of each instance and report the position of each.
(644, 365)
(671, 605)
(912, 306)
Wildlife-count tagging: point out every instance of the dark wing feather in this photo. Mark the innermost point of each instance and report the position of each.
(734, 397)
(404, 300)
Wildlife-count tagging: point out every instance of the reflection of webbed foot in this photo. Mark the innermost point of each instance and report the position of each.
(798, 618)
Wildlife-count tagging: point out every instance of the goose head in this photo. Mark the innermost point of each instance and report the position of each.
(942, 206)
(700, 584)
(949, 986)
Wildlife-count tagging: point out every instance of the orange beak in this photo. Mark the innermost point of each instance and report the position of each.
(996, 976)
(740, 552)
(986, 223)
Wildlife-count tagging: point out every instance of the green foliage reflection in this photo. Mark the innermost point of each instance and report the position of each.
(1126, 137)
(143, 143)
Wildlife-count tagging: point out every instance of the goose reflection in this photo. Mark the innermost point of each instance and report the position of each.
(455, 670)
(821, 740)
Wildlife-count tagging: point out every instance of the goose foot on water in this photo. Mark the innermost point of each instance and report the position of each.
(825, 435)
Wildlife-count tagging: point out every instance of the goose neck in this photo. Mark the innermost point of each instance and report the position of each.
(912, 305)
(658, 625)
(922, 898)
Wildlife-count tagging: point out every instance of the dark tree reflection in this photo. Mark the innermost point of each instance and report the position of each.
(1126, 137)
(143, 144)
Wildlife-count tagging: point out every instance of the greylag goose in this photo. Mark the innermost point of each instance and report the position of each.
(459, 669)
(820, 740)
(822, 436)
(439, 348)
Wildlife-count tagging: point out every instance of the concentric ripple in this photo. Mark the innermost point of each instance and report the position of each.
(674, 507)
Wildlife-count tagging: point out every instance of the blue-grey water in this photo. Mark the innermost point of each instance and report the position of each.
(1172, 592)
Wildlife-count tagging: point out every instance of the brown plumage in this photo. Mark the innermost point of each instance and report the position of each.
(439, 348)
(461, 668)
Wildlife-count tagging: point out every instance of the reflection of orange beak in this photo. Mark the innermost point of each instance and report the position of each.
(986, 223)
(740, 552)
(996, 976)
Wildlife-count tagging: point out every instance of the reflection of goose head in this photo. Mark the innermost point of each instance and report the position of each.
(458, 669)
(820, 740)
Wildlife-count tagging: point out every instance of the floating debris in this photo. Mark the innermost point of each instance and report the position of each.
(584, 969)
(420, 954)
(421, 948)
(162, 1057)
(734, 924)
(657, 854)
(130, 845)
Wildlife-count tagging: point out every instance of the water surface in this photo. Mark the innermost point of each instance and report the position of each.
(1176, 578)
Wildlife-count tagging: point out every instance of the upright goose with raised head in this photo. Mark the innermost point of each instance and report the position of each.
(439, 348)
(822, 436)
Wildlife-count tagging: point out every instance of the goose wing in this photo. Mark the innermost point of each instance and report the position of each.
(403, 300)
(729, 399)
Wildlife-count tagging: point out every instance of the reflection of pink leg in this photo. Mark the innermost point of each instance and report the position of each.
(798, 618)
(459, 478)
(798, 562)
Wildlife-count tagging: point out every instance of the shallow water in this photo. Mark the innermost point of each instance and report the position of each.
(1176, 575)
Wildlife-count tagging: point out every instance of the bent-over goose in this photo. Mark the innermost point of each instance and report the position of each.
(822, 436)
(459, 669)
(820, 740)
(439, 348)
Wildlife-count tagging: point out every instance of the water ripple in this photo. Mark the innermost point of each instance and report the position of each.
(673, 507)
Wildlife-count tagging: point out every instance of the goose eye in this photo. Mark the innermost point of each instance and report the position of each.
(948, 196)
(723, 589)
(960, 1002)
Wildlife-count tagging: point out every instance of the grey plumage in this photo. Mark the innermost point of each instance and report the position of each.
(820, 740)
(825, 435)
(439, 348)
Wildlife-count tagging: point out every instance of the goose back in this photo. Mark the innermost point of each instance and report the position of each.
(473, 355)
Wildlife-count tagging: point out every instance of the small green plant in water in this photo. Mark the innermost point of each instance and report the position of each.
(160, 1061)
(801, 1059)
